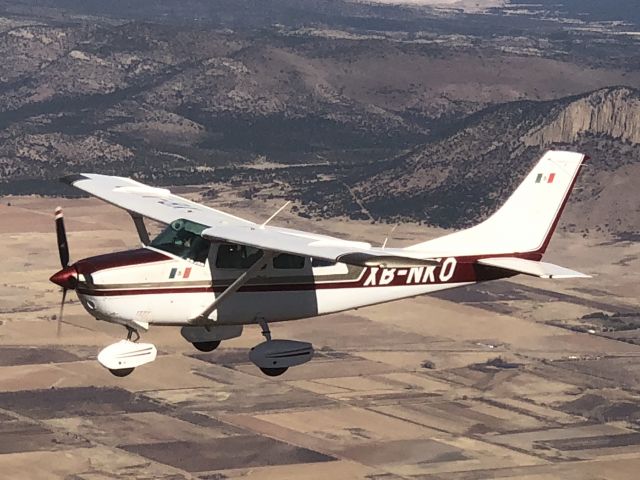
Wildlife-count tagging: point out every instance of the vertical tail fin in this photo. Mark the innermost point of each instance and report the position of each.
(525, 223)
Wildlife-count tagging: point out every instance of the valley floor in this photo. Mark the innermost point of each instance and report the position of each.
(560, 403)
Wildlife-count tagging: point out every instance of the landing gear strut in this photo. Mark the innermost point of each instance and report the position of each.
(130, 332)
(269, 371)
(123, 372)
(266, 333)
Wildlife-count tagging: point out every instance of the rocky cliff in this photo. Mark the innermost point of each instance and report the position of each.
(464, 176)
(613, 113)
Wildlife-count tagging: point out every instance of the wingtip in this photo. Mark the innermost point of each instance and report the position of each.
(73, 178)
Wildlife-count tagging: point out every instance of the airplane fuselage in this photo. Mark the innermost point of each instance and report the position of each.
(211, 272)
(149, 286)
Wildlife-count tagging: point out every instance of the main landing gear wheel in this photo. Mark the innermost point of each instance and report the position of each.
(207, 346)
(274, 372)
(121, 372)
(274, 357)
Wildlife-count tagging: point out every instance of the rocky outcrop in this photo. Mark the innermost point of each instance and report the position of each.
(613, 112)
(463, 177)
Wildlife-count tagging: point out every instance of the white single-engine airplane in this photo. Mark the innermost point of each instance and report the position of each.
(211, 273)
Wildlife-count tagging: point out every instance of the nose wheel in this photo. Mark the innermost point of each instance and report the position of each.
(121, 372)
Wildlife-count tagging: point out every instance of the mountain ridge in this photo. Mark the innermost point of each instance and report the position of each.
(464, 176)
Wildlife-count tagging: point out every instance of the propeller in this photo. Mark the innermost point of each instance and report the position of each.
(59, 326)
(66, 277)
(61, 234)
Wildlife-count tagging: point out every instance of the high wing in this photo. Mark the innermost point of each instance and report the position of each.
(312, 245)
(161, 205)
(156, 203)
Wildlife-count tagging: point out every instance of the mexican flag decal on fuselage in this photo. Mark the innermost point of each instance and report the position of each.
(542, 178)
(176, 273)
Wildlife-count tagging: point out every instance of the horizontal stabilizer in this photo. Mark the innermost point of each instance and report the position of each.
(531, 267)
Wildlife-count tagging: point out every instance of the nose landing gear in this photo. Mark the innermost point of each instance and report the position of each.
(121, 372)
(122, 357)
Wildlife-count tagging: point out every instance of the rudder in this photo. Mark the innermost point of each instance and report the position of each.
(526, 221)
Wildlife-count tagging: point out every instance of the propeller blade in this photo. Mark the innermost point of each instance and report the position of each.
(59, 327)
(61, 233)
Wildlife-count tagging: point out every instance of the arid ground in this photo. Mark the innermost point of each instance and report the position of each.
(501, 380)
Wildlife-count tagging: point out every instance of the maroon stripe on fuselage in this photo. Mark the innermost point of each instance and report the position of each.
(464, 273)
(126, 258)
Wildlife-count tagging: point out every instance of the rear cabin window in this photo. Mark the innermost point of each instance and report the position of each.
(236, 256)
(182, 238)
(287, 261)
(321, 262)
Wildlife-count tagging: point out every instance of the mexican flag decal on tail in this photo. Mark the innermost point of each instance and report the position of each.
(544, 178)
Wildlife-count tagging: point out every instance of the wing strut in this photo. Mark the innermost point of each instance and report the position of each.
(138, 221)
(239, 282)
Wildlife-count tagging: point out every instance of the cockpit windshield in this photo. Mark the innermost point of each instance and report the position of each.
(182, 238)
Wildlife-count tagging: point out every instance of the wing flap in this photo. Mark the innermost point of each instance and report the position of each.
(531, 267)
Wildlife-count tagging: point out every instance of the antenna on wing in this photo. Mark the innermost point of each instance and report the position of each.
(386, 239)
(276, 213)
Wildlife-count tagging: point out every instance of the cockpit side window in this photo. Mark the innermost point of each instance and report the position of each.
(199, 249)
(236, 256)
(182, 238)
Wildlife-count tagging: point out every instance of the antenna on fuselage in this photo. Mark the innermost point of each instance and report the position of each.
(386, 239)
(276, 213)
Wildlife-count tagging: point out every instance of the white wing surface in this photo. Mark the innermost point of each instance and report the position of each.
(318, 246)
(156, 203)
(161, 205)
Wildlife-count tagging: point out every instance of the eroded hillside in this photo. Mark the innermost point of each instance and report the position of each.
(375, 112)
(464, 176)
